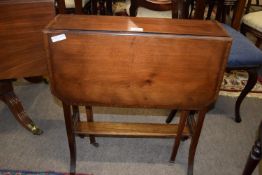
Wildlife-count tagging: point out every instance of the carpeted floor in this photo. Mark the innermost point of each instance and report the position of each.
(222, 150)
(21, 172)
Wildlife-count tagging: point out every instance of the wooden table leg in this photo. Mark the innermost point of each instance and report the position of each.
(8, 96)
(70, 137)
(194, 141)
(181, 126)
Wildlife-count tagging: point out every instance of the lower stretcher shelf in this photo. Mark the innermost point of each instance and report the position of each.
(129, 129)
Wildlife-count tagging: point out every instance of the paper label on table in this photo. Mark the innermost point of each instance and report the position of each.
(136, 29)
(58, 38)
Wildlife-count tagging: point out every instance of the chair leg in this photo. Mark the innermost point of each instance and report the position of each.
(171, 116)
(109, 10)
(243, 29)
(133, 8)
(253, 159)
(70, 137)
(94, 7)
(255, 154)
(252, 80)
(89, 115)
(258, 42)
(192, 7)
(102, 9)
(76, 113)
(223, 15)
(194, 141)
(211, 4)
(181, 126)
(248, 6)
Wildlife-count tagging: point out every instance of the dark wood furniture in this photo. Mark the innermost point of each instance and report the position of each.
(143, 62)
(255, 155)
(92, 7)
(249, 5)
(22, 49)
(236, 18)
(105, 7)
(78, 8)
(223, 8)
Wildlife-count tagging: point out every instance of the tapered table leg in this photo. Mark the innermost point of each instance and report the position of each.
(181, 126)
(70, 137)
(194, 141)
(8, 96)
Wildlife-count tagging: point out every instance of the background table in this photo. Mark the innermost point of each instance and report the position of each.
(22, 50)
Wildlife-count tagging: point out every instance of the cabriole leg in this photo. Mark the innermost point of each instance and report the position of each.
(251, 82)
(8, 96)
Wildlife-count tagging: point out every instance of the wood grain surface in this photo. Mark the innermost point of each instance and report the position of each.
(129, 129)
(137, 69)
(149, 25)
(21, 39)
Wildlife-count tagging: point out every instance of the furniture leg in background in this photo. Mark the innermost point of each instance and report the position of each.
(255, 154)
(109, 10)
(104, 8)
(8, 96)
(252, 80)
(94, 6)
(22, 50)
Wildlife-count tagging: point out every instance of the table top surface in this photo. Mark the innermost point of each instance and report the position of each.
(138, 25)
(22, 47)
(91, 64)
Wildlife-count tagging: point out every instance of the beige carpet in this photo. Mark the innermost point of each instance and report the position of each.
(223, 147)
